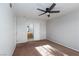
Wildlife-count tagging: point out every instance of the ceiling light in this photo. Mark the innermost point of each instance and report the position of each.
(47, 13)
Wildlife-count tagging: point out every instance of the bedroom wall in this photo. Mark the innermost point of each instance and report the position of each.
(64, 30)
(39, 29)
(7, 30)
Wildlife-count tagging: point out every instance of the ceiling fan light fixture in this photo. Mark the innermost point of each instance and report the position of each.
(47, 13)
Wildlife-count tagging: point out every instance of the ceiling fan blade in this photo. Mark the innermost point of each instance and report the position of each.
(54, 11)
(41, 14)
(52, 6)
(40, 10)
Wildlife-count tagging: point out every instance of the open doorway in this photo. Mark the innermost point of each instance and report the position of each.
(30, 32)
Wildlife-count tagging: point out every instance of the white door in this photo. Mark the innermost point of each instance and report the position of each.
(37, 31)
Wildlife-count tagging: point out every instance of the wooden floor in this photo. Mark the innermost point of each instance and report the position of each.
(43, 48)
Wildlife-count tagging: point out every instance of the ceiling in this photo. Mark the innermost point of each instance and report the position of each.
(29, 10)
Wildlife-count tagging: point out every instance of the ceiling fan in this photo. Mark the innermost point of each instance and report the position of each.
(48, 10)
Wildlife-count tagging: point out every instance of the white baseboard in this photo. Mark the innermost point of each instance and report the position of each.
(30, 40)
(13, 50)
(64, 45)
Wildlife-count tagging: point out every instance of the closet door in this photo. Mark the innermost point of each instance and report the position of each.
(37, 31)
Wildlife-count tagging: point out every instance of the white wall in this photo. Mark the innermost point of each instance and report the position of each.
(39, 29)
(65, 30)
(7, 30)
